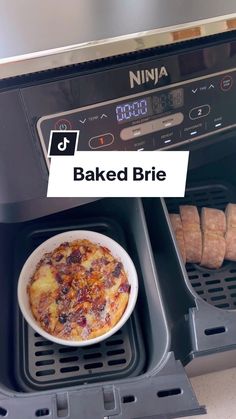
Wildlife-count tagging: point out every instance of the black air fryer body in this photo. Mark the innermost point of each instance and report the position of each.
(181, 97)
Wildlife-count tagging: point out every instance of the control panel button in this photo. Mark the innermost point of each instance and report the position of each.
(226, 83)
(168, 138)
(103, 140)
(199, 112)
(192, 131)
(62, 125)
(216, 124)
(152, 126)
(169, 121)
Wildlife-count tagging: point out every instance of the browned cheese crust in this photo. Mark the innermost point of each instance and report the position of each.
(78, 291)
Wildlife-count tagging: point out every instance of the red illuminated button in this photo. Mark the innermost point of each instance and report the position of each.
(101, 141)
(63, 125)
(226, 83)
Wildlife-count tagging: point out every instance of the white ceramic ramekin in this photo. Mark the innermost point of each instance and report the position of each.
(48, 246)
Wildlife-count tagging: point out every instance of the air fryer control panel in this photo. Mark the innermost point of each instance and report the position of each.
(180, 97)
(160, 118)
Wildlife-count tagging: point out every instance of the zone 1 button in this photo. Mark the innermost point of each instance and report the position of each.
(103, 140)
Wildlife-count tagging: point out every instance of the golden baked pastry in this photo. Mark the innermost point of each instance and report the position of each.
(78, 291)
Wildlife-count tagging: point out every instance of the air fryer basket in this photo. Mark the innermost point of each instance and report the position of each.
(42, 364)
(132, 374)
(200, 302)
(217, 287)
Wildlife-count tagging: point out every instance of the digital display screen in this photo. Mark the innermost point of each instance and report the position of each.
(130, 111)
(150, 106)
(168, 101)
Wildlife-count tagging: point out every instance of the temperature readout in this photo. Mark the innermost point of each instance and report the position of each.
(150, 106)
(168, 101)
(133, 110)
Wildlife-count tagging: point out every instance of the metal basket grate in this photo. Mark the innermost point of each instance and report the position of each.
(217, 287)
(49, 363)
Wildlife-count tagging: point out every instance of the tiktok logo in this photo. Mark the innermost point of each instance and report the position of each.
(63, 143)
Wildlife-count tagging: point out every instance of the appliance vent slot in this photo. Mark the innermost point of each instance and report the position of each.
(215, 331)
(128, 399)
(168, 393)
(3, 412)
(42, 412)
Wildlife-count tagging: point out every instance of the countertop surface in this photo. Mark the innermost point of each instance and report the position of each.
(217, 391)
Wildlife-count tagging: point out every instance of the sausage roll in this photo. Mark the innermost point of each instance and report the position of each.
(178, 230)
(192, 233)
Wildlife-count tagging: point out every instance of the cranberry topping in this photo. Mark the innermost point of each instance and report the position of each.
(124, 288)
(99, 304)
(75, 257)
(82, 322)
(59, 278)
(67, 329)
(48, 262)
(83, 295)
(109, 282)
(65, 244)
(58, 257)
(117, 270)
(100, 262)
(65, 290)
(46, 320)
(47, 259)
(62, 318)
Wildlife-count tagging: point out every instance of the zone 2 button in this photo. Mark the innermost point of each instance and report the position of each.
(103, 140)
(199, 112)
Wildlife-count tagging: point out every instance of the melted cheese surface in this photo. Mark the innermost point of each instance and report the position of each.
(79, 291)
